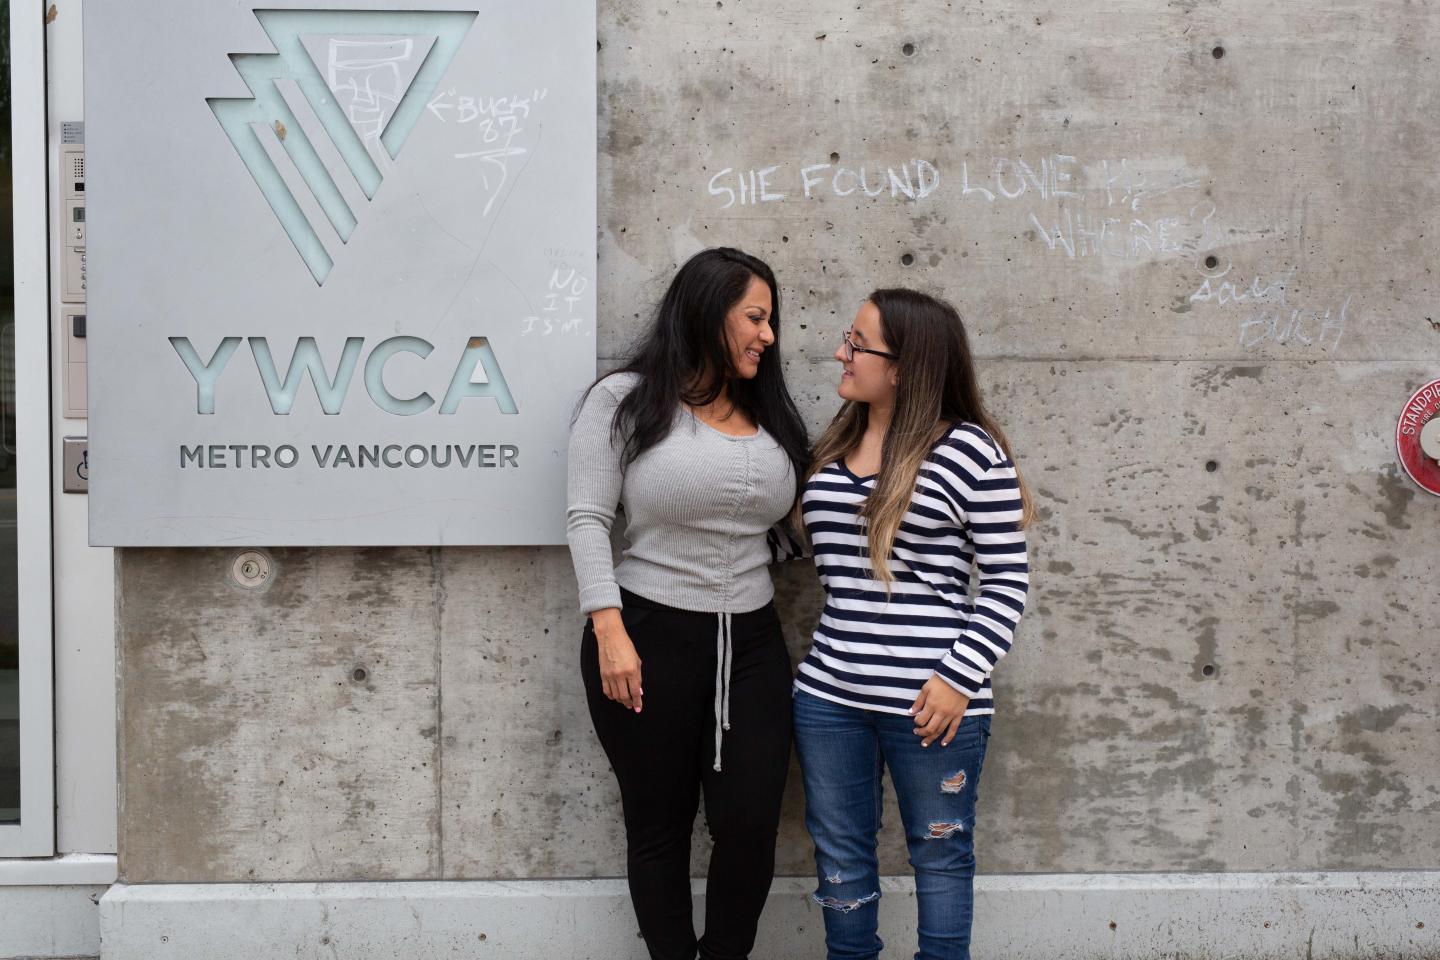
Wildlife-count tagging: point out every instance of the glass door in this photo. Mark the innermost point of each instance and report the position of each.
(27, 773)
(9, 545)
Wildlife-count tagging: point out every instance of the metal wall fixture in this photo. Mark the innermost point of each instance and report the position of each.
(251, 570)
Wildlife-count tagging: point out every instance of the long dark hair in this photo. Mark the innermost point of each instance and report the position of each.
(686, 341)
(936, 387)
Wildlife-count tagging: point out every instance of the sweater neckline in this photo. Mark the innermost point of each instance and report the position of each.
(721, 433)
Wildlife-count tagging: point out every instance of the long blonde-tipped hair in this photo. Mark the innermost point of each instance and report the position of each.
(936, 387)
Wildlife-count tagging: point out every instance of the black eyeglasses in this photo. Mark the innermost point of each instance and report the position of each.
(851, 350)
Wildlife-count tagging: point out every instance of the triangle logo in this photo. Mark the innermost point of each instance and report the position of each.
(369, 77)
(386, 66)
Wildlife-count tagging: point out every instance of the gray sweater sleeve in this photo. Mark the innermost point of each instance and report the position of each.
(593, 491)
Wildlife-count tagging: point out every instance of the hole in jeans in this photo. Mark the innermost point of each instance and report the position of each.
(844, 906)
(942, 830)
(953, 783)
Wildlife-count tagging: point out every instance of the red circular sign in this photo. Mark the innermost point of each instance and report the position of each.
(1423, 468)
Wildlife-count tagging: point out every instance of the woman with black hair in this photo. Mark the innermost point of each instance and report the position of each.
(697, 437)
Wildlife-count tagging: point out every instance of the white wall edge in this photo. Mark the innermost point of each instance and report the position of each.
(83, 869)
(1115, 916)
(84, 576)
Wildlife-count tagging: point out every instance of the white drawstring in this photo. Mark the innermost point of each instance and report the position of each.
(729, 663)
(723, 656)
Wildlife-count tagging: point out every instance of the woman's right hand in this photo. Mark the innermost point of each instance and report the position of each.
(619, 663)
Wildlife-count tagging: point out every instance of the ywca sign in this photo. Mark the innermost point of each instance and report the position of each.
(341, 288)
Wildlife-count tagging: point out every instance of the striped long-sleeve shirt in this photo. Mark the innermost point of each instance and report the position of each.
(876, 654)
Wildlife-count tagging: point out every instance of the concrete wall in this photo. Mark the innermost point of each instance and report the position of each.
(1226, 665)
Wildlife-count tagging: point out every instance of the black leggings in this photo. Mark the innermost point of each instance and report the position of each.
(663, 757)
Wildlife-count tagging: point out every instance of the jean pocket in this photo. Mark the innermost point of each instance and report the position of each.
(973, 729)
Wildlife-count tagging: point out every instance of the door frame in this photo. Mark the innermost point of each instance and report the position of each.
(34, 836)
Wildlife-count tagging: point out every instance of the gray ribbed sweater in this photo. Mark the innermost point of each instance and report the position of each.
(698, 508)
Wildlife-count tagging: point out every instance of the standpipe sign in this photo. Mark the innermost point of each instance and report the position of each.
(341, 270)
(1417, 437)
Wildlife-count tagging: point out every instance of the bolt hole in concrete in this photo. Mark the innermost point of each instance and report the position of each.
(907, 259)
(1211, 262)
(1218, 52)
(1112, 924)
(1211, 466)
(360, 675)
(1208, 670)
(908, 49)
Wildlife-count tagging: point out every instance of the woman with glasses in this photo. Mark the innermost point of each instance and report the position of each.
(685, 669)
(911, 496)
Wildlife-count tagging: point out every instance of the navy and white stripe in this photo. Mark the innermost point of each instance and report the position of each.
(876, 654)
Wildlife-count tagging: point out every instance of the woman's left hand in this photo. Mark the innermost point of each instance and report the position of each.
(939, 708)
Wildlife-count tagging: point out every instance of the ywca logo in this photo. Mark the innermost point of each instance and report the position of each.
(380, 69)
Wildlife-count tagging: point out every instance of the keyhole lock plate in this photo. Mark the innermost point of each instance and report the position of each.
(251, 570)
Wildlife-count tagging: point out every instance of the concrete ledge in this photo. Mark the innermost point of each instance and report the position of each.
(49, 921)
(1304, 916)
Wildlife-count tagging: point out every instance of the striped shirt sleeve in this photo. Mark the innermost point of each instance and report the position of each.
(984, 493)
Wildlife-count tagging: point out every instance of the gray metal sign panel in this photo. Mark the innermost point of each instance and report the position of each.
(342, 269)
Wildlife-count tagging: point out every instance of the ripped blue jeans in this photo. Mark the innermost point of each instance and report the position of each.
(843, 751)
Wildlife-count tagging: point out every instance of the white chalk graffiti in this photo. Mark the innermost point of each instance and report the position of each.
(1225, 292)
(1056, 178)
(1283, 324)
(1114, 208)
(366, 78)
(1107, 208)
(1081, 232)
(1271, 317)
(501, 124)
(1065, 177)
(562, 296)
(912, 179)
